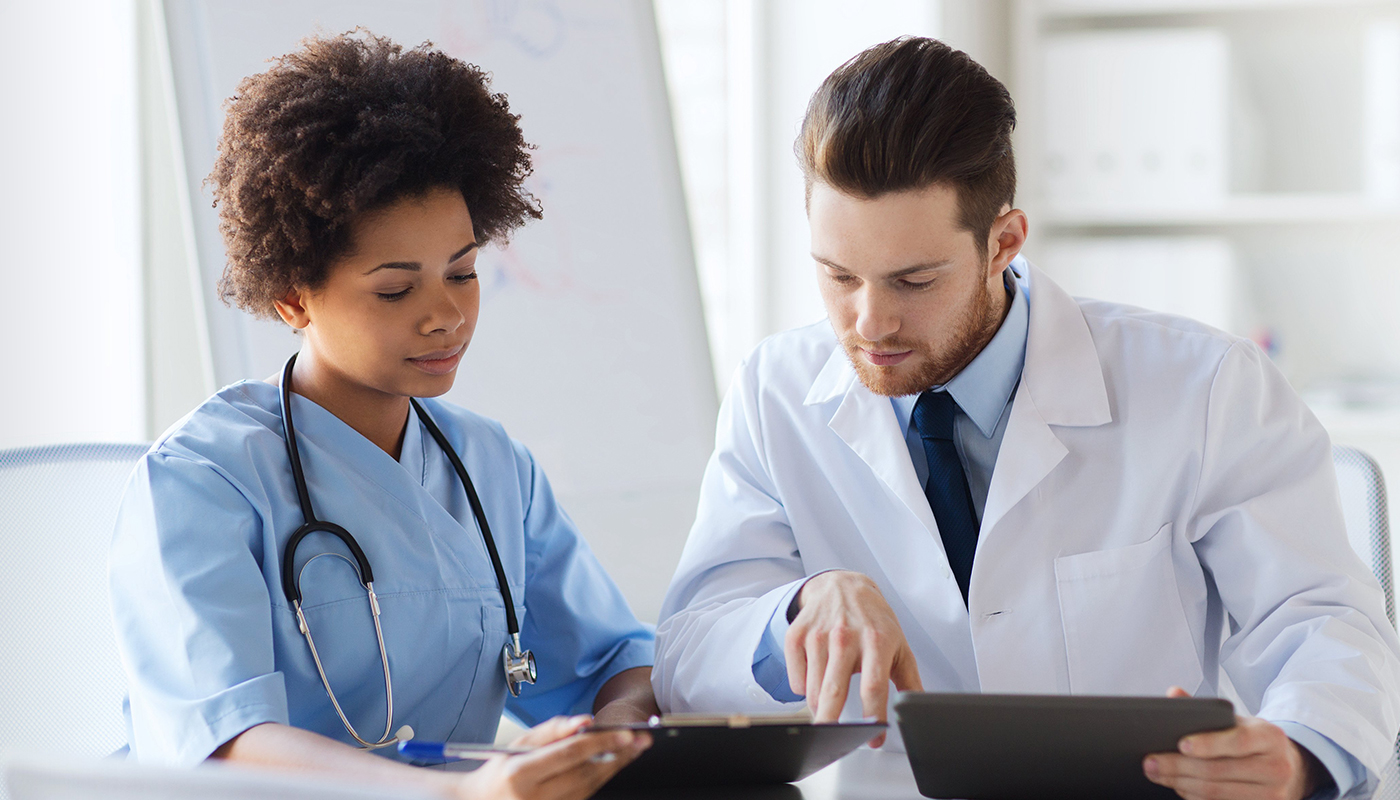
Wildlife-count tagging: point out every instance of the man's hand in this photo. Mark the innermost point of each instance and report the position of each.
(1253, 760)
(844, 627)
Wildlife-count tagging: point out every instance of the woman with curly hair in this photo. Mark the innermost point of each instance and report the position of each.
(328, 562)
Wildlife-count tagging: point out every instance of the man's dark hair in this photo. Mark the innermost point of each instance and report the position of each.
(349, 124)
(909, 114)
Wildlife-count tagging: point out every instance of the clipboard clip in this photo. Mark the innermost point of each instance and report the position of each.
(695, 720)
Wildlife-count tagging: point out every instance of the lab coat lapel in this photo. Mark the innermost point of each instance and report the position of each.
(1062, 384)
(906, 545)
(866, 422)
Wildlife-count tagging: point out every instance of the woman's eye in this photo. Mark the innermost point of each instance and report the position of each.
(463, 279)
(841, 277)
(391, 296)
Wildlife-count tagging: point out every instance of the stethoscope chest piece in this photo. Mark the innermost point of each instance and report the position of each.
(519, 665)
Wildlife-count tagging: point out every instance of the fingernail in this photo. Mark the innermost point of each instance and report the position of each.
(581, 719)
(1185, 746)
(625, 738)
(1150, 767)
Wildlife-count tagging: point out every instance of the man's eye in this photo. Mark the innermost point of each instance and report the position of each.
(917, 284)
(841, 277)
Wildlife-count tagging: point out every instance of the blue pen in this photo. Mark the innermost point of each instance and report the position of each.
(453, 751)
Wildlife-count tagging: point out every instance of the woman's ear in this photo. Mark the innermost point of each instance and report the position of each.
(292, 308)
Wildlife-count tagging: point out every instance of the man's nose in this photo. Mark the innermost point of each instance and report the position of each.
(876, 318)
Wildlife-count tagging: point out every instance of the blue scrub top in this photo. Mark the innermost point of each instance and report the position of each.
(211, 645)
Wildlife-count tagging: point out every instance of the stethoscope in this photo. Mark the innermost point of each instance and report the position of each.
(519, 664)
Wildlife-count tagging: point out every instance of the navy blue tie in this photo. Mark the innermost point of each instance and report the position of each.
(946, 488)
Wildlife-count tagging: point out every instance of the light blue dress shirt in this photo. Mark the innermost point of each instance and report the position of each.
(211, 645)
(983, 391)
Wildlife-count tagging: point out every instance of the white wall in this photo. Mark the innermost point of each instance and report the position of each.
(740, 74)
(71, 308)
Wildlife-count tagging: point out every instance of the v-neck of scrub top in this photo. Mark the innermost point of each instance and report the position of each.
(412, 455)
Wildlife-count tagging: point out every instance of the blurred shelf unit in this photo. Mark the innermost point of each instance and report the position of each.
(1082, 9)
(1240, 209)
(1235, 160)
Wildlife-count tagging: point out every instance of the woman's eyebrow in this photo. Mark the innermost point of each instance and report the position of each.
(414, 266)
(470, 247)
(411, 266)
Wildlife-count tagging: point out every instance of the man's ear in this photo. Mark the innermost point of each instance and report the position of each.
(1006, 238)
(292, 308)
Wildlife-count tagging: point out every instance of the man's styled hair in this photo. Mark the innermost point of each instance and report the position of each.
(909, 114)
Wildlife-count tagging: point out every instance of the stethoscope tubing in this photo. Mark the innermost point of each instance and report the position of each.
(518, 663)
(512, 625)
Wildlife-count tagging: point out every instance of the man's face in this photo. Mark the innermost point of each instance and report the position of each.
(907, 291)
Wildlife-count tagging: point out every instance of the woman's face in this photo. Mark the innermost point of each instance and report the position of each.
(397, 312)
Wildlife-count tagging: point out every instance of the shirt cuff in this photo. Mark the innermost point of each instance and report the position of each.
(1346, 772)
(769, 663)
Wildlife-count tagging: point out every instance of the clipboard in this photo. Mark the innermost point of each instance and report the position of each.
(990, 747)
(698, 750)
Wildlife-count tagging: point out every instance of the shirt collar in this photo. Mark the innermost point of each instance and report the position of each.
(983, 388)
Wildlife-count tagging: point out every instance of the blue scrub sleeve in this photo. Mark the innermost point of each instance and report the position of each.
(577, 622)
(192, 612)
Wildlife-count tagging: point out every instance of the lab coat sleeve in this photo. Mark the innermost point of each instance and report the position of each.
(192, 612)
(1309, 642)
(740, 567)
(577, 622)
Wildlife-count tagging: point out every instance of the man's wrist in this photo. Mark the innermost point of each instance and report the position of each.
(795, 606)
(1315, 774)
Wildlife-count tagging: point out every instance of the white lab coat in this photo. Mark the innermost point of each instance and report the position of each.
(1163, 506)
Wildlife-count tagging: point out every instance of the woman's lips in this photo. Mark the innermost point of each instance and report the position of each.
(885, 359)
(440, 362)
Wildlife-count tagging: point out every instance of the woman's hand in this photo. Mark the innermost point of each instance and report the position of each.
(565, 764)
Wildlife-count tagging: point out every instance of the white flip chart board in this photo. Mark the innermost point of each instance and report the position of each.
(591, 346)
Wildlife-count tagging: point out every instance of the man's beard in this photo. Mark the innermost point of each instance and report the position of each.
(977, 327)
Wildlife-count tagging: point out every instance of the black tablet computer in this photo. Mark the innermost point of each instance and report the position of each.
(733, 750)
(990, 747)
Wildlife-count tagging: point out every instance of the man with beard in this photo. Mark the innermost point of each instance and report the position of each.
(965, 480)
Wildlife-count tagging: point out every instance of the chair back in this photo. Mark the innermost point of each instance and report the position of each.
(60, 677)
(1367, 517)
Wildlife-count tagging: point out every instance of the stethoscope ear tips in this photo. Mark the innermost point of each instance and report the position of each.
(404, 733)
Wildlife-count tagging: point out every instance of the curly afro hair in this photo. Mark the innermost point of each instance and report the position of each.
(350, 124)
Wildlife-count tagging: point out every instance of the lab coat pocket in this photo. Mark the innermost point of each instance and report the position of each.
(1125, 628)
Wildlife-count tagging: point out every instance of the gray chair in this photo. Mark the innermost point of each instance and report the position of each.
(1365, 509)
(60, 678)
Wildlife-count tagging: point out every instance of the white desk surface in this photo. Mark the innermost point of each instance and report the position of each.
(862, 775)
